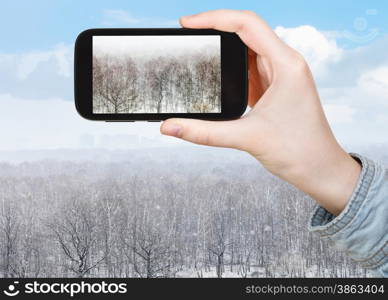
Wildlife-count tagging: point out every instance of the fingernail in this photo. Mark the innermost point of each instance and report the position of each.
(172, 129)
(183, 18)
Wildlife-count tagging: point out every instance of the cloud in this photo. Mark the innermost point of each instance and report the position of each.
(54, 123)
(114, 16)
(38, 74)
(117, 17)
(339, 113)
(27, 63)
(314, 45)
(353, 83)
(375, 81)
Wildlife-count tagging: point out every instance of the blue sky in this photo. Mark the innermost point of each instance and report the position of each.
(345, 43)
(39, 24)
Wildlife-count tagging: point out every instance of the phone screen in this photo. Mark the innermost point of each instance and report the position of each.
(156, 74)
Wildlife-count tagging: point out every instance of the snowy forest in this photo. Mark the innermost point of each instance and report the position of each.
(158, 213)
(164, 82)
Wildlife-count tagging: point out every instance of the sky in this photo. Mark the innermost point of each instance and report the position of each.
(344, 42)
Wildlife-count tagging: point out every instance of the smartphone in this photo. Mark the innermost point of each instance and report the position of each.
(139, 74)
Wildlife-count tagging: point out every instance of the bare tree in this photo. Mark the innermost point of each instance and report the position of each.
(75, 232)
(218, 239)
(185, 83)
(157, 74)
(115, 84)
(165, 217)
(10, 231)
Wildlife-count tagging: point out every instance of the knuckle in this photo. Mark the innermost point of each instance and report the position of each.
(202, 138)
(299, 59)
(196, 134)
(248, 19)
(296, 64)
(249, 13)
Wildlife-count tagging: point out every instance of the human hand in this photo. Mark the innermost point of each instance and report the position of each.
(286, 129)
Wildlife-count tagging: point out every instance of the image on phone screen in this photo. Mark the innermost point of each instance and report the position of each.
(156, 74)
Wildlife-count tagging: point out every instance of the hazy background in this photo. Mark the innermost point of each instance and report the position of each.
(146, 47)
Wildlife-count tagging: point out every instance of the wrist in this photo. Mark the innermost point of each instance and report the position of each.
(328, 177)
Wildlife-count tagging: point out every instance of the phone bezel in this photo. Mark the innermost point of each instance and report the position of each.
(234, 75)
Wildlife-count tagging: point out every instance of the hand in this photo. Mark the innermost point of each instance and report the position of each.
(286, 129)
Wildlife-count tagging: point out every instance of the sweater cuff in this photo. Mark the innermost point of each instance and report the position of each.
(345, 231)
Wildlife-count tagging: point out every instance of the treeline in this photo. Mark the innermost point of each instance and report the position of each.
(170, 220)
(165, 84)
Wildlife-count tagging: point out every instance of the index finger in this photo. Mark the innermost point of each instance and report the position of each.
(252, 30)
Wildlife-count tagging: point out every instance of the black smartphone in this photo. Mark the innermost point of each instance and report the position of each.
(154, 74)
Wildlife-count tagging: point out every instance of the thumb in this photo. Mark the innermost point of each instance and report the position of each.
(227, 134)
